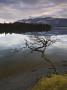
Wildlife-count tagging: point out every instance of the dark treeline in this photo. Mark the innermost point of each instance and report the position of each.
(23, 27)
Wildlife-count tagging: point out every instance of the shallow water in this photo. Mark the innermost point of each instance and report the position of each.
(20, 68)
(14, 44)
(13, 50)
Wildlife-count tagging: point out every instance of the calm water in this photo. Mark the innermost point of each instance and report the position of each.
(13, 51)
(20, 68)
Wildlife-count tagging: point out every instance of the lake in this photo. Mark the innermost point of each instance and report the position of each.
(12, 48)
(16, 57)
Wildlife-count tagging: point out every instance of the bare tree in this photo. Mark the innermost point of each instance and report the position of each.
(40, 44)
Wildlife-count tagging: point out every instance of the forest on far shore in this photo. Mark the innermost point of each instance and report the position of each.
(23, 27)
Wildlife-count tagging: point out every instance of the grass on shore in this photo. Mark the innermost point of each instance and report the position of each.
(55, 82)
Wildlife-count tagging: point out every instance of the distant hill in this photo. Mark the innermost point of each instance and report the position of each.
(57, 22)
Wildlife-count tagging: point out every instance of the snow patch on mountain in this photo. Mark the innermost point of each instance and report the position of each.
(62, 22)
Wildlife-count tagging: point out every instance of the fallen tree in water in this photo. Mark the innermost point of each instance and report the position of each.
(40, 44)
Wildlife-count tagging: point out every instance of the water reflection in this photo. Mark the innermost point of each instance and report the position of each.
(11, 40)
(12, 49)
(59, 49)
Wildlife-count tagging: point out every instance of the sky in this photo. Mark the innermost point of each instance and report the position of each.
(13, 10)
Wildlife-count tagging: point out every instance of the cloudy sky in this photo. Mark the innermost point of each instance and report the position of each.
(12, 10)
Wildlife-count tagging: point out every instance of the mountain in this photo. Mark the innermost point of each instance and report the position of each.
(58, 22)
